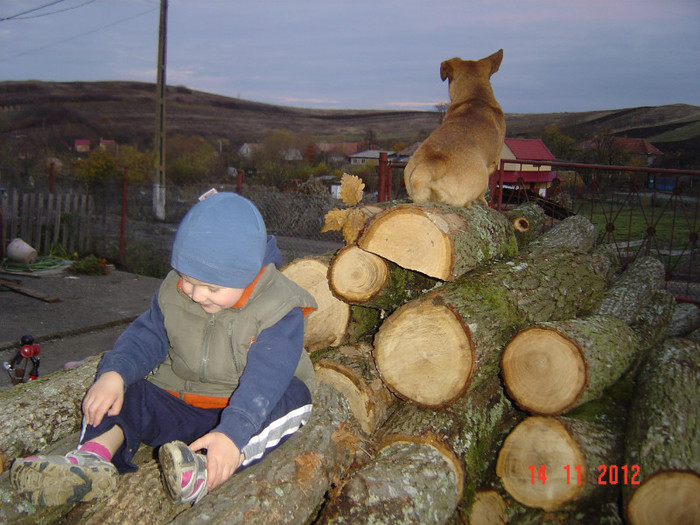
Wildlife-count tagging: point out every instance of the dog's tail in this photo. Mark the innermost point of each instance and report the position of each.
(419, 179)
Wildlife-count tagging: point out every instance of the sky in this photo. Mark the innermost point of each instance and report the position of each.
(559, 55)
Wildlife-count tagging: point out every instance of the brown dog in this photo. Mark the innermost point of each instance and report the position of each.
(454, 163)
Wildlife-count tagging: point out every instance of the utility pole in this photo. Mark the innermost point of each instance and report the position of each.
(159, 142)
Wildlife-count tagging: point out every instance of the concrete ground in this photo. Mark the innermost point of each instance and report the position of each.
(91, 313)
(93, 309)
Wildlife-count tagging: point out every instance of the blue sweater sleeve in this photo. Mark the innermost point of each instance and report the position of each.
(271, 363)
(140, 348)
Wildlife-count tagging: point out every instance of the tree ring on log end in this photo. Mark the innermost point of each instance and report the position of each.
(521, 224)
(412, 239)
(666, 497)
(327, 325)
(538, 448)
(356, 275)
(432, 366)
(543, 371)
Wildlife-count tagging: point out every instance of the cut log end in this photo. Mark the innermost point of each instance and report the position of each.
(489, 509)
(424, 354)
(666, 497)
(356, 276)
(521, 224)
(327, 325)
(543, 371)
(532, 463)
(412, 239)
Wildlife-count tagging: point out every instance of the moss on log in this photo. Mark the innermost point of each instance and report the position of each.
(36, 414)
(438, 240)
(395, 486)
(686, 319)
(550, 368)
(629, 295)
(540, 460)
(428, 350)
(362, 278)
(663, 437)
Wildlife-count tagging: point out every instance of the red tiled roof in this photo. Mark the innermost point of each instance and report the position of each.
(637, 146)
(530, 149)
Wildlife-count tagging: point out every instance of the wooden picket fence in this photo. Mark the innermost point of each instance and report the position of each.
(42, 220)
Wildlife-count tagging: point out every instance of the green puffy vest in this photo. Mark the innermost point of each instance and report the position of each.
(208, 352)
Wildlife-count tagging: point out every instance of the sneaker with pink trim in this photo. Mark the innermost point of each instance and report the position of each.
(55, 480)
(184, 472)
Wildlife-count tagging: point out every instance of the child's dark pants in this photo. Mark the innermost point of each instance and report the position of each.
(152, 416)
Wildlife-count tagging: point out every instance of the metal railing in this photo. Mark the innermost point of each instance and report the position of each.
(639, 210)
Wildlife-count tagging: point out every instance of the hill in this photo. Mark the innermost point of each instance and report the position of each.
(124, 111)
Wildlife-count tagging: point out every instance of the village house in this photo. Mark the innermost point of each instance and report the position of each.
(534, 177)
(369, 157)
(82, 145)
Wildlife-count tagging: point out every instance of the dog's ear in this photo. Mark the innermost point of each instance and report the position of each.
(494, 61)
(447, 68)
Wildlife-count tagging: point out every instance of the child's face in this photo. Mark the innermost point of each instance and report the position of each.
(212, 298)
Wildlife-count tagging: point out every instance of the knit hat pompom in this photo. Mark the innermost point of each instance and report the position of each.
(221, 241)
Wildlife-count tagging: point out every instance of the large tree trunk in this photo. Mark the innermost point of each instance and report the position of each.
(663, 438)
(549, 368)
(334, 322)
(540, 460)
(36, 414)
(426, 456)
(350, 370)
(428, 350)
(362, 278)
(438, 240)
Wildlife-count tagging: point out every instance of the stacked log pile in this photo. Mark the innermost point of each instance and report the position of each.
(473, 368)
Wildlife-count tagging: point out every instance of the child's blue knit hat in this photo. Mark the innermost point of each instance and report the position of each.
(221, 240)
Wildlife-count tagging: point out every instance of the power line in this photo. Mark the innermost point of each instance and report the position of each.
(76, 36)
(19, 16)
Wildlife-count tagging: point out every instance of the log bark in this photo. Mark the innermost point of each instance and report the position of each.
(460, 438)
(540, 459)
(362, 278)
(438, 240)
(630, 294)
(686, 319)
(550, 368)
(350, 369)
(34, 415)
(663, 437)
(334, 322)
(406, 483)
(528, 222)
(428, 350)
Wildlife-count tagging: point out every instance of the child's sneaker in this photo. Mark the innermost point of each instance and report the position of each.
(185, 472)
(55, 480)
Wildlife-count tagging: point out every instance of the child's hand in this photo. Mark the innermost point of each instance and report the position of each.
(105, 396)
(223, 457)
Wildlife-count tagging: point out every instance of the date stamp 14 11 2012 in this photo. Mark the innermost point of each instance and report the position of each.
(607, 474)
